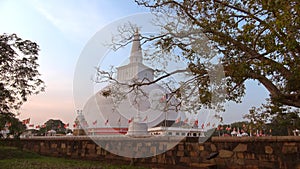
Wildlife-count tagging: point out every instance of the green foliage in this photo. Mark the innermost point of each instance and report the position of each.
(52, 124)
(15, 125)
(19, 76)
(282, 120)
(258, 40)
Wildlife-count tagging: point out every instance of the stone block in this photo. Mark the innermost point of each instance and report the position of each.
(153, 160)
(266, 157)
(213, 147)
(63, 145)
(180, 147)
(193, 154)
(225, 154)
(265, 164)
(153, 150)
(204, 154)
(221, 161)
(201, 148)
(171, 160)
(53, 145)
(240, 148)
(239, 161)
(169, 153)
(161, 146)
(185, 160)
(180, 153)
(289, 148)
(91, 146)
(268, 150)
(249, 156)
(240, 155)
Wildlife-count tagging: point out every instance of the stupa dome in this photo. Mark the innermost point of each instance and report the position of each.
(111, 110)
(116, 105)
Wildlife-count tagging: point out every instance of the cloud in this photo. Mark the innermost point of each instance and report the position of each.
(77, 20)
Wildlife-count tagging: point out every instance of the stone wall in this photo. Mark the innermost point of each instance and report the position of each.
(233, 152)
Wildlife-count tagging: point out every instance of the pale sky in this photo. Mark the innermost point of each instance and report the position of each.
(62, 28)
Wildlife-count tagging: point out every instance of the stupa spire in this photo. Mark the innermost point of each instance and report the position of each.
(136, 50)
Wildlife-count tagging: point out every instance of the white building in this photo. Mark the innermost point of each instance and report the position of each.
(112, 113)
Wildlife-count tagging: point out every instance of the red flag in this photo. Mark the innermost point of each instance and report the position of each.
(37, 127)
(178, 120)
(31, 125)
(74, 125)
(26, 121)
(186, 120)
(66, 125)
(228, 128)
(163, 98)
(106, 122)
(130, 120)
(95, 122)
(202, 126)
(196, 122)
(7, 124)
(208, 124)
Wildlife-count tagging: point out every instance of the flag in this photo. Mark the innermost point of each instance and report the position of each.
(178, 120)
(7, 124)
(208, 124)
(26, 121)
(66, 125)
(31, 125)
(95, 122)
(164, 98)
(186, 120)
(106, 122)
(145, 118)
(74, 125)
(130, 120)
(196, 122)
(228, 128)
(202, 126)
(37, 127)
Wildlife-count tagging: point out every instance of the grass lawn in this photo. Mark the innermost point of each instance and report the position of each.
(13, 158)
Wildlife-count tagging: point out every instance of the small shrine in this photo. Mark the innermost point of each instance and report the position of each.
(80, 124)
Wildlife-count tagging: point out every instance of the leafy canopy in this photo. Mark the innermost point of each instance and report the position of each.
(258, 39)
(19, 76)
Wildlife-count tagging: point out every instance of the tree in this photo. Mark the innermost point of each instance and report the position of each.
(282, 120)
(19, 76)
(259, 40)
(52, 124)
(14, 125)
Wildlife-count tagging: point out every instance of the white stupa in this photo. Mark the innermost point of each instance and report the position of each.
(118, 112)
